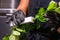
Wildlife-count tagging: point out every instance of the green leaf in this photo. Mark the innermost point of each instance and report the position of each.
(42, 19)
(52, 5)
(13, 37)
(57, 10)
(37, 24)
(40, 15)
(6, 37)
(16, 33)
(36, 17)
(20, 30)
(41, 11)
(59, 4)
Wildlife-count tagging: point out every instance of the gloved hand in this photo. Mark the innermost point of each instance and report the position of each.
(16, 17)
(54, 21)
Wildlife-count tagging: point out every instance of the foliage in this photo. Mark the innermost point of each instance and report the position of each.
(40, 15)
(6, 37)
(19, 30)
(52, 5)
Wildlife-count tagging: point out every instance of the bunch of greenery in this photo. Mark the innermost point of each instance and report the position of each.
(19, 30)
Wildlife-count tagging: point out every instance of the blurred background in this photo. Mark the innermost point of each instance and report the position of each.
(5, 4)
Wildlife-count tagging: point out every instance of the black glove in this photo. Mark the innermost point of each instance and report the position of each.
(54, 20)
(17, 17)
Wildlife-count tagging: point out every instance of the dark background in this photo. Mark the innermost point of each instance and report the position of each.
(4, 28)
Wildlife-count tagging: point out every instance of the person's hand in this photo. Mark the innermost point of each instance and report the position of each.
(18, 16)
(53, 21)
(58, 30)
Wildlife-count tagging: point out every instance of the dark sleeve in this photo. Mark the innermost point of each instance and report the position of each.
(34, 6)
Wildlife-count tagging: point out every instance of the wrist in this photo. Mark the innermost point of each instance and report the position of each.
(21, 10)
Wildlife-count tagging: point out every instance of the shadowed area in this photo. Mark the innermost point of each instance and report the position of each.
(4, 28)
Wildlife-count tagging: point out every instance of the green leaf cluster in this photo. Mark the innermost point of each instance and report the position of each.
(53, 7)
(6, 37)
(19, 30)
(40, 15)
